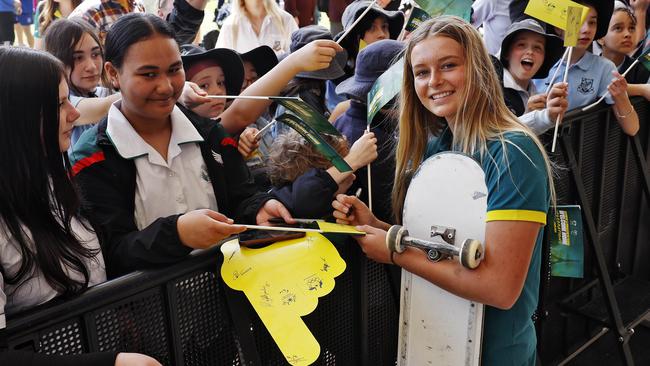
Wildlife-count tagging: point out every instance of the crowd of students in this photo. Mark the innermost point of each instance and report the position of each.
(121, 152)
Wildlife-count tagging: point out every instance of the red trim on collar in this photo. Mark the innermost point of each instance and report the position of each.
(86, 162)
(229, 141)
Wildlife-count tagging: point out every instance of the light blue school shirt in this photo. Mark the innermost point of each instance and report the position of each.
(588, 80)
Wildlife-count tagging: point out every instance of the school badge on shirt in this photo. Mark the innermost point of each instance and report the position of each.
(586, 86)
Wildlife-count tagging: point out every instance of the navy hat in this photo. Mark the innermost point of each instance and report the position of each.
(263, 59)
(553, 48)
(228, 60)
(353, 11)
(372, 61)
(303, 36)
(605, 9)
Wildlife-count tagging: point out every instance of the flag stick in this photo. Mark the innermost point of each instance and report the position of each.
(256, 97)
(557, 120)
(607, 93)
(559, 66)
(357, 21)
(369, 179)
(264, 129)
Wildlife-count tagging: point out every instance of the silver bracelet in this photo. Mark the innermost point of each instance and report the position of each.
(624, 115)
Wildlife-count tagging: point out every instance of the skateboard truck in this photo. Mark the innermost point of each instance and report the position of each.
(469, 254)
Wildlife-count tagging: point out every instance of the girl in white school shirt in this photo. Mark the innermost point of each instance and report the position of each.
(160, 183)
(255, 23)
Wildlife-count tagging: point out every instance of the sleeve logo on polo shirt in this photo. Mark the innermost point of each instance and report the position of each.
(217, 158)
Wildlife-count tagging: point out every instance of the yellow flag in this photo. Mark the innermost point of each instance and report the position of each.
(554, 12)
(362, 44)
(573, 25)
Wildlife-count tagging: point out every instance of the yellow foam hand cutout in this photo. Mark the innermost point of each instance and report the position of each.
(283, 282)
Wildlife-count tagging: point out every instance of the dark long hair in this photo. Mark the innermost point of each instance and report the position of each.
(61, 38)
(36, 194)
(129, 29)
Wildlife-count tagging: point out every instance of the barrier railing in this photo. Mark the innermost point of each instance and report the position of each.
(593, 320)
(184, 315)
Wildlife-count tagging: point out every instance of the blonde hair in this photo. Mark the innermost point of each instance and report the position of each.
(271, 8)
(482, 115)
(291, 156)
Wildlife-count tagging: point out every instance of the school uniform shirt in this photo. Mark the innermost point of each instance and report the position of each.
(35, 290)
(538, 121)
(518, 190)
(100, 92)
(241, 37)
(110, 184)
(588, 80)
(164, 187)
(494, 15)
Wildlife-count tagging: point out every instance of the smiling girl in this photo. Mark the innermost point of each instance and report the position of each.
(159, 181)
(438, 112)
(75, 44)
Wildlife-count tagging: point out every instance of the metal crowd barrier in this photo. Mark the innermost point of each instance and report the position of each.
(599, 320)
(185, 315)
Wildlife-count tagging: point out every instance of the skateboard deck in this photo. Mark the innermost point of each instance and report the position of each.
(437, 327)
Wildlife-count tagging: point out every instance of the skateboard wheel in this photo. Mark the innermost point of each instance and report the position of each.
(394, 238)
(471, 253)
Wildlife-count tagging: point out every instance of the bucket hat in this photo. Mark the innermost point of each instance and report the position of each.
(263, 59)
(553, 49)
(604, 8)
(372, 61)
(305, 35)
(228, 60)
(353, 11)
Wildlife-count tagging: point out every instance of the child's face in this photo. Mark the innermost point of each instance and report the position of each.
(620, 33)
(378, 31)
(526, 55)
(87, 59)
(212, 81)
(250, 75)
(588, 30)
(439, 75)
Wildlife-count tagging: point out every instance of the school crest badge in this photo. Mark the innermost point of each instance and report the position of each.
(586, 86)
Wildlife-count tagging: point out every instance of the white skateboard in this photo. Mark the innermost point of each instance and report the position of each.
(444, 215)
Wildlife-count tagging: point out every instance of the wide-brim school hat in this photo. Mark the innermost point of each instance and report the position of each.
(605, 9)
(305, 35)
(353, 11)
(371, 62)
(229, 61)
(553, 50)
(263, 59)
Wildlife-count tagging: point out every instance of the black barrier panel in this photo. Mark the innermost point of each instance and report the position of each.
(181, 316)
(611, 179)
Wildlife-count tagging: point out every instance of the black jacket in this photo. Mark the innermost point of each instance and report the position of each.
(108, 183)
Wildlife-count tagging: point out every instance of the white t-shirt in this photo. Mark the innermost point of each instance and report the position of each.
(242, 38)
(164, 188)
(494, 15)
(35, 290)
